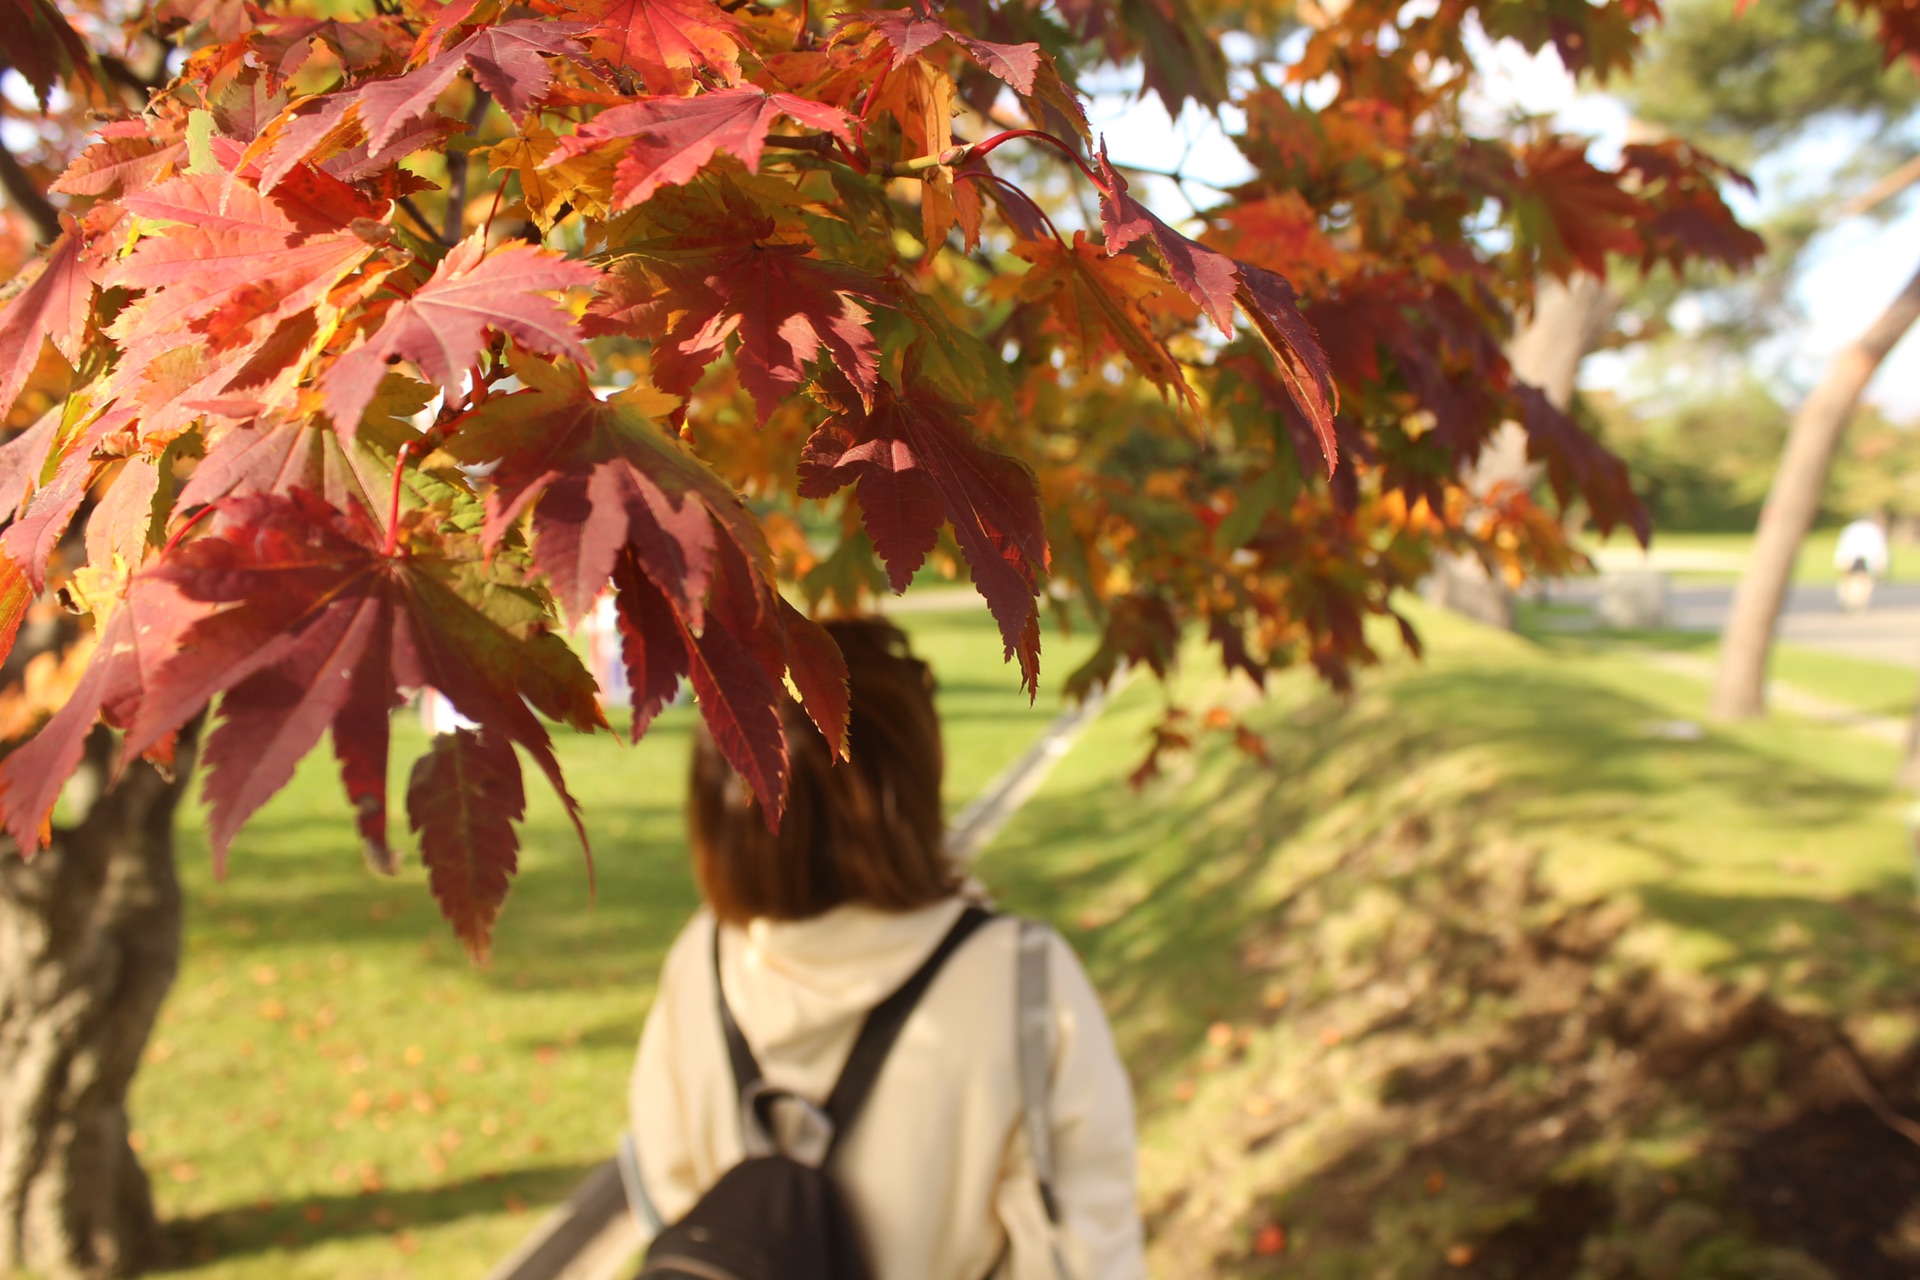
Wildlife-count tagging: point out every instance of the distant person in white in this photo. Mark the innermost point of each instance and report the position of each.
(1861, 558)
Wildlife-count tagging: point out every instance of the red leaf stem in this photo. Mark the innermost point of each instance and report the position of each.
(183, 530)
(985, 147)
(393, 502)
(983, 175)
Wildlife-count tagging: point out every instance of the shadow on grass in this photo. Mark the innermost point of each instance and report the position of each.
(314, 1220)
(1155, 889)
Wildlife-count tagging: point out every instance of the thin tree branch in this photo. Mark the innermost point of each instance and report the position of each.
(27, 197)
(818, 143)
(453, 224)
(412, 210)
(1880, 192)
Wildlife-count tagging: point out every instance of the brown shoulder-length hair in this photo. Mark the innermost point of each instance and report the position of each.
(868, 829)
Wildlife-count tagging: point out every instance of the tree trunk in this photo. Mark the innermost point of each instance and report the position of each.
(1908, 775)
(1792, 503)
(1567, 321)
(89, 945)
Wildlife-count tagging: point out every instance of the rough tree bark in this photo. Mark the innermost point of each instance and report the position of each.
(1567, 321)
(89, 945)
(1793, 501)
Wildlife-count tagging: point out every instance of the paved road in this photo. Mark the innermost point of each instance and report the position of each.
(1888, 632)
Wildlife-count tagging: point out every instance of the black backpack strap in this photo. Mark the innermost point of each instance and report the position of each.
(883, 1026)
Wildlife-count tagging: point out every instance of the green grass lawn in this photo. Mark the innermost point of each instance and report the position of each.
(335, 1091)
(1859, 684)
(1770, 857)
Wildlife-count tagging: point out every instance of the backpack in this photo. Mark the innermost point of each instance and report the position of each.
(778, 1215)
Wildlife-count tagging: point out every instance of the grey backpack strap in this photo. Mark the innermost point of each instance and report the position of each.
(1035, 1035)
(639, 1203)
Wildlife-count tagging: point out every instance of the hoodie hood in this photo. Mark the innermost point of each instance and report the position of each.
(796, 986)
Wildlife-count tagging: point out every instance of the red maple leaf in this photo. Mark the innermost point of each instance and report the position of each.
(1578, 464)
(1208, 277)
(910, 31)
(318, 628)
(33, 537)
(819, 672)
(279, 455)
(138, 637)
(600, 476)
(463, 799)
(1216, 282)
(669, 139)
(916, 461)
(1899, 26)
(53, 308)
(231, 255)
(507, 60)
(1687, 218)
(16, 593)
(651, 645)
(441, 327)
(124, 157)
(1097, 301)
(781, 304)
(1273, 306)
(740, 701)
(1573, 212)
(662, 40)
(748, 639)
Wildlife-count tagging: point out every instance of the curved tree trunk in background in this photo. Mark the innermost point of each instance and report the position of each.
(1792, 502)
(1567, 321)
(89, 945)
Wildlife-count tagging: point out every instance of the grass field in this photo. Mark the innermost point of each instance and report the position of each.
(335, 1092)
(1260, 935)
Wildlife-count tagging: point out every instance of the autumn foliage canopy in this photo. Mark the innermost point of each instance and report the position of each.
(373, 344)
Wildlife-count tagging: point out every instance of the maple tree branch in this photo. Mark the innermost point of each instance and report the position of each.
(413, 211)
(123, 73)
(27, 197)
(453, 223)
(1880, 192)
(920, 164)
(818, 143)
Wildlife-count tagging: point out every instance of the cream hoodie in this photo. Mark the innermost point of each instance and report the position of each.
(935, 1167)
